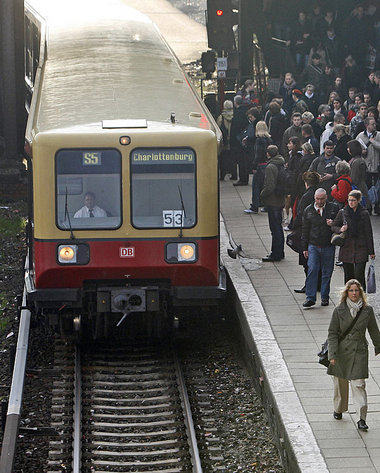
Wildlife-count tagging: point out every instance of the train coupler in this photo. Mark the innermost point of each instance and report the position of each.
(127, 300)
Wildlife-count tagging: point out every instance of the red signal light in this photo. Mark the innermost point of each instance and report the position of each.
(219, 12)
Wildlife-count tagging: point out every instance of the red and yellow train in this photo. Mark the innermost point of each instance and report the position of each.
(122, 157)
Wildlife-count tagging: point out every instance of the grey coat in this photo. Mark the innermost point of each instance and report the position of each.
(372, 157)
(358, 175)
(268, 194)
(351, 354)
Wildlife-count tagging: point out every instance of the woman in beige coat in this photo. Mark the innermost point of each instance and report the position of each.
(349, 357)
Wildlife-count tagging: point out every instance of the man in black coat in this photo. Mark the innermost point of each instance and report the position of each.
(239, 155)
(274, 202)
(317, 248)
(312, 74)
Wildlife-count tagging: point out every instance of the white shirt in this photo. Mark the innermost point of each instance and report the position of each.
(320, 210)
(85, 212)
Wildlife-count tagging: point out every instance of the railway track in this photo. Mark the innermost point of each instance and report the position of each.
(126, 409)
(129, 411)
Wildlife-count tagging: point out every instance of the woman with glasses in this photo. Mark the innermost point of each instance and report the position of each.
(349, 355)
(354, 221)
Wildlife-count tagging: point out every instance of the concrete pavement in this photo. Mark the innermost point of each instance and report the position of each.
(186, 37)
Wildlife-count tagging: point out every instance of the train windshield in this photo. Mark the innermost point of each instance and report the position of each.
(88, 188)
(163, 187)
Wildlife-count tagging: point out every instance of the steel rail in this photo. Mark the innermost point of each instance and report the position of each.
(16, 394)
(192, 439)
(77, 414)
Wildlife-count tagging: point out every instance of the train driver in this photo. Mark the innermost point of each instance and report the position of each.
(90, 209)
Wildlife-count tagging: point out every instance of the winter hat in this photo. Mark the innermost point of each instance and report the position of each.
(297, 92)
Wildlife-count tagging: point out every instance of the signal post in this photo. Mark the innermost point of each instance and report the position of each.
(12, 76)
(219, 22)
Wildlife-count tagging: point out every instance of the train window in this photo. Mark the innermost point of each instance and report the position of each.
(163, 187)
(88, 189)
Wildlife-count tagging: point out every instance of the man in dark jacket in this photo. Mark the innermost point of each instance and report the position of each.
(311, 100)
(294, 130)
(333, 47)
(286, 92)
(312, 74)
(324, 165)
(274, 203)
(239, 154)
(317, 248)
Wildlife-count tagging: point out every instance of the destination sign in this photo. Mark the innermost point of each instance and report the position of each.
(163, 156)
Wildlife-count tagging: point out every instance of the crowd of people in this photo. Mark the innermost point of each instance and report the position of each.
(336, 153)
(313, 149)
(334, 29)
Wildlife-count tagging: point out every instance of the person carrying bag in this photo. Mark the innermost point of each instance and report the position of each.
(349, 356)
(324, 353)
(357, 245)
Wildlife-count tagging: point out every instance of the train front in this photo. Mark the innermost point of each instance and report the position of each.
(125, 222)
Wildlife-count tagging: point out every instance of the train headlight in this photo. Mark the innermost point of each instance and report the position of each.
(67, 253)
(186, 252)
(181, 253)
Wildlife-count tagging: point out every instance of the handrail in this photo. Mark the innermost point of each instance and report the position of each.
(77, 416)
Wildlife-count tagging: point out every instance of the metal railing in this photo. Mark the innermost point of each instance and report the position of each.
(17, 389)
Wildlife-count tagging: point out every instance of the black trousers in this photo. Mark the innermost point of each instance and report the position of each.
(355, 271)
(241, 157)
(226, 164)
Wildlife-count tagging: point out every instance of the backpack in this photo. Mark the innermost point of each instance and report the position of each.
(373, 195)
(285, 181)
(224, 130)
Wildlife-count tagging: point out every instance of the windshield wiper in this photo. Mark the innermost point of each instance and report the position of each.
(67, 215)
(183, 213)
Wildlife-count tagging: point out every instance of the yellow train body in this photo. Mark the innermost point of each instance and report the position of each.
(114, 118)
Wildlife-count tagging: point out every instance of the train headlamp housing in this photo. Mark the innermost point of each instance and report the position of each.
(67, 253)
(181, 252)
(73, 254)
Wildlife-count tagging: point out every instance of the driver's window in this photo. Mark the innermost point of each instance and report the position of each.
(88, 189)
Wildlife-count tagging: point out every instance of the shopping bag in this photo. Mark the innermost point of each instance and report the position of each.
(371, 279)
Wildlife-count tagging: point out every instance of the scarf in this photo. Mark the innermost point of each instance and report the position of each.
(354, 306)
(290, 86)
(228, 114)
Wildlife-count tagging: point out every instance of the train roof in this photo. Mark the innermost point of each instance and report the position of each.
(105, 61)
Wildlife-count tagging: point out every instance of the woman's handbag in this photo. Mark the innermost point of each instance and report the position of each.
(371, 279)
(323, 355)
(293, 240)
(338, 239)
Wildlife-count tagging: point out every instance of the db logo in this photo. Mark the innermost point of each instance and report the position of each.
(127, 252)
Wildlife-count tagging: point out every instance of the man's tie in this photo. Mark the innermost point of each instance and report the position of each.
(320, 212)
(91, 214)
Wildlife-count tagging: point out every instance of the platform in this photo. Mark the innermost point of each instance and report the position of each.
(186, 37)
(283, 337)
(286, 338)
